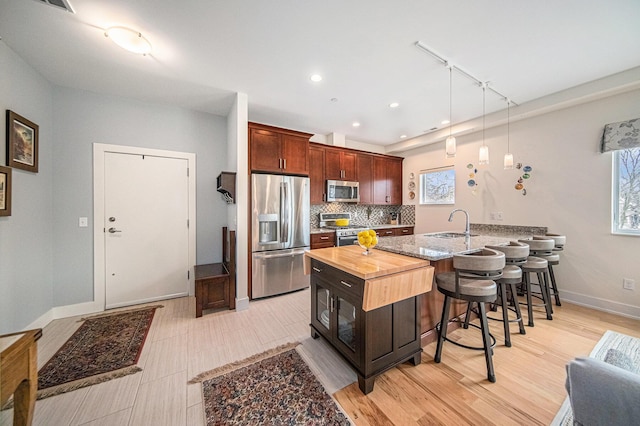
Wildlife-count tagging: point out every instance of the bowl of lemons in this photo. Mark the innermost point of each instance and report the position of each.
(367, 239)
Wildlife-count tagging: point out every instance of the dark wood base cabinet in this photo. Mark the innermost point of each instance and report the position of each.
(371, 341)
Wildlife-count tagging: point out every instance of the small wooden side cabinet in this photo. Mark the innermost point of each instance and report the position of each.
(216, 282)
(19, 373)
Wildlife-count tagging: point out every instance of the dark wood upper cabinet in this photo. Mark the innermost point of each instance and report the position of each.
(364, 168)
(277, 150)
(387, 175)
(316, 174)
(339, 164)
(380, 176)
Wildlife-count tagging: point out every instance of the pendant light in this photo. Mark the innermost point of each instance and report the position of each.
(450, 143)
(508, 157)
(484, 149)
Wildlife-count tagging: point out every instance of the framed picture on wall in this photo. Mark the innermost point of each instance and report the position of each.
(5, 191)
(22, 143)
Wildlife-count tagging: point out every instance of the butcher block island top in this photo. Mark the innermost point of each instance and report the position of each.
(388, 277)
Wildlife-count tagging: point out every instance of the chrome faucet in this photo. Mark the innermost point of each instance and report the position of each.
(467, 231)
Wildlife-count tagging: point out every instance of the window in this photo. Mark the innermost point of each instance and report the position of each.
(438, 186)
(626, 192)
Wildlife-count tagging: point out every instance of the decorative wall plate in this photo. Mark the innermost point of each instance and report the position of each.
(412, 186)
(411, 176)
(412, 195)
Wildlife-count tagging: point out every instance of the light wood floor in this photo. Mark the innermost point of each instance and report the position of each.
(530, 375)
(529, 388)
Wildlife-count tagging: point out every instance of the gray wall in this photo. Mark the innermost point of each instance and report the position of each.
(83, 118)
(26, 236)
(46, 260)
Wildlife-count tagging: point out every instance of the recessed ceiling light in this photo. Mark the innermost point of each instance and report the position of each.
(394, 105)
(403, 136)
(356, 124)
(444, 122)
(316, 78)
(129, 39)
(334, 99)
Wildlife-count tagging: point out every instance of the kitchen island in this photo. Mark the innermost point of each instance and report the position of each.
(368, 307)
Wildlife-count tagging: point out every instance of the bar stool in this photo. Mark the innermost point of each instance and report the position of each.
(515, 255)
(540, 267)
(473, 281)
(554, 259)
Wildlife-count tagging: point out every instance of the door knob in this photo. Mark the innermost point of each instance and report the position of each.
(112, 219)
(113, 230)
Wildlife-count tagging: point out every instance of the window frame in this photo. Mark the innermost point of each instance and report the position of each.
(615, 198)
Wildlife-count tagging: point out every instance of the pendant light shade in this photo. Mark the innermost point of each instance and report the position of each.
(484, 155)
(508, 161)
(484, 149)
(450, 143)
(508, 157)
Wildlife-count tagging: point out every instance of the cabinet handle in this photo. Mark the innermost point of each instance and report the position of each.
(404, 231)
(332, 304)
(316, 269)
(284, 161)
(347, 284)
(324, 238)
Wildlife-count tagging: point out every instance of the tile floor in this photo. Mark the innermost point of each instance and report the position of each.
(178, 347)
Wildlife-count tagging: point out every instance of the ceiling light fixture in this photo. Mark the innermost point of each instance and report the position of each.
(484, 149)
(508, 157)
(403, 136)
(316, 78)
(129, 39)
(450, 143)
(394, 105)
(356, 124)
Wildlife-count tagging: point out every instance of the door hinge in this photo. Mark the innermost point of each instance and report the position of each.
(188, 275)
(187, 172)
(187, 223)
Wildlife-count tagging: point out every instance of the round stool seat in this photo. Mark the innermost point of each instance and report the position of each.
(553, 259)
(535, 264)
(510, 273)
(560, 240)
(446, 283)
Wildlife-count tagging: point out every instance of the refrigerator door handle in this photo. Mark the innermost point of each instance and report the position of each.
(285, 214)
(289, 253)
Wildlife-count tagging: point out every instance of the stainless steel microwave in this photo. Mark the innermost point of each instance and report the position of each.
(343, 191)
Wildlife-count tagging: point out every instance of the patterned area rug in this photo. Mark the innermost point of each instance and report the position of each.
(105, 347)
(276, 387)
(627, 345)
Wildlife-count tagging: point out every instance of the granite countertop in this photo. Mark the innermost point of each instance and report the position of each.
(430, 247)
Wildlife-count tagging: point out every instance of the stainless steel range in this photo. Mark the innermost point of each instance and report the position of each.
(345, 235)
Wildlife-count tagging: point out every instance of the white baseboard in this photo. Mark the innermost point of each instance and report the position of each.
(77, 309)
(64, 312)
(599, 304)
(242, 304)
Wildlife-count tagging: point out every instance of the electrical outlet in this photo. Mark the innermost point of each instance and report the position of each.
(83, 222)
(498, 215)
(628, 284)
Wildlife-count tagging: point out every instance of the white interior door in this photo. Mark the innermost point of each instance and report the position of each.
(146, 228)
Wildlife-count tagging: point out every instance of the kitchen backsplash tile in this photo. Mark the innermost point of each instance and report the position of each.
(365, 215)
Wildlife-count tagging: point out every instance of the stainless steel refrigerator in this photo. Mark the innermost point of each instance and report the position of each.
(280, 233)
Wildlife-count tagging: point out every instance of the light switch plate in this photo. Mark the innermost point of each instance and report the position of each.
(83, 222)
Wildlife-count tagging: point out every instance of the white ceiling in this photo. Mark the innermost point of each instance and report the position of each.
(205, 51)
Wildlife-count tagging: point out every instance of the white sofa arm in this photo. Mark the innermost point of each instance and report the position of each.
(603, 394)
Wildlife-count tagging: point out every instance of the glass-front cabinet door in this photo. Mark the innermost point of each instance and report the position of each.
(346, 322)
(323, 307)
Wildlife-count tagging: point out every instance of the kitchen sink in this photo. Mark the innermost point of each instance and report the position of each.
(449, 235)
